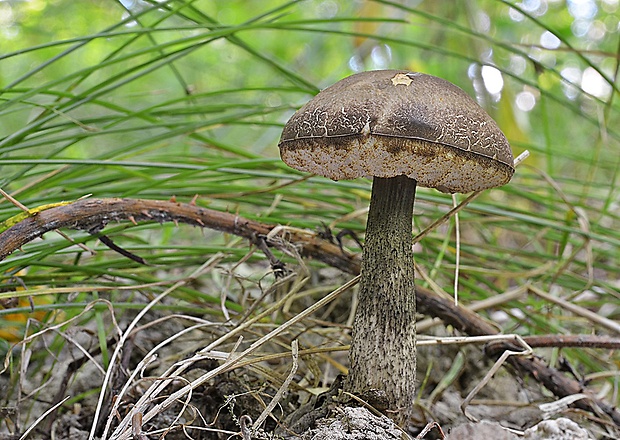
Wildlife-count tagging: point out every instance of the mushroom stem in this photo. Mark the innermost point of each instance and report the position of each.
(383, 349)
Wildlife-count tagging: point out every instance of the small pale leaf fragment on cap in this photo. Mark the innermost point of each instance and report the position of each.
(401, 78)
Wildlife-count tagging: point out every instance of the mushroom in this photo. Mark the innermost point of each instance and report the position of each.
(404, 129)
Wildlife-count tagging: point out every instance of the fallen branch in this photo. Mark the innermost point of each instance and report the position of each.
(93, 215)
(587, 341)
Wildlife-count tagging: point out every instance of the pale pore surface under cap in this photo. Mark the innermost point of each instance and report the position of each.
(431, 165)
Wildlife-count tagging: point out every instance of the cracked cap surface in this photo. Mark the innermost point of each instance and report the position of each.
(387, 123)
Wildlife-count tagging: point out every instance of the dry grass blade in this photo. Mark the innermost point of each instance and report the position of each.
(527, 350)
(50, 410)
(278, 396)
(52, 328)
(123, 431)
(125, 335)
(613, 326)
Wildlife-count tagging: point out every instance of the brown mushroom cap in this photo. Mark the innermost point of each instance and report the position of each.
(387, 123)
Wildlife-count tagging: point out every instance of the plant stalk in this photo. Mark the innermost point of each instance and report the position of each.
(383, 348)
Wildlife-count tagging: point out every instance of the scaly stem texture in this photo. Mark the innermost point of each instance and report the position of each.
(383, 349)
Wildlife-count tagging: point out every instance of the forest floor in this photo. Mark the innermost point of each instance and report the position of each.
(266, 358)
(228, 402)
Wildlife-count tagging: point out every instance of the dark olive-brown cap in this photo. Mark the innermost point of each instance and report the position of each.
(387, 123)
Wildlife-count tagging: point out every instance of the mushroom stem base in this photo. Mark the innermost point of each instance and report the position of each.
(383, 348)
